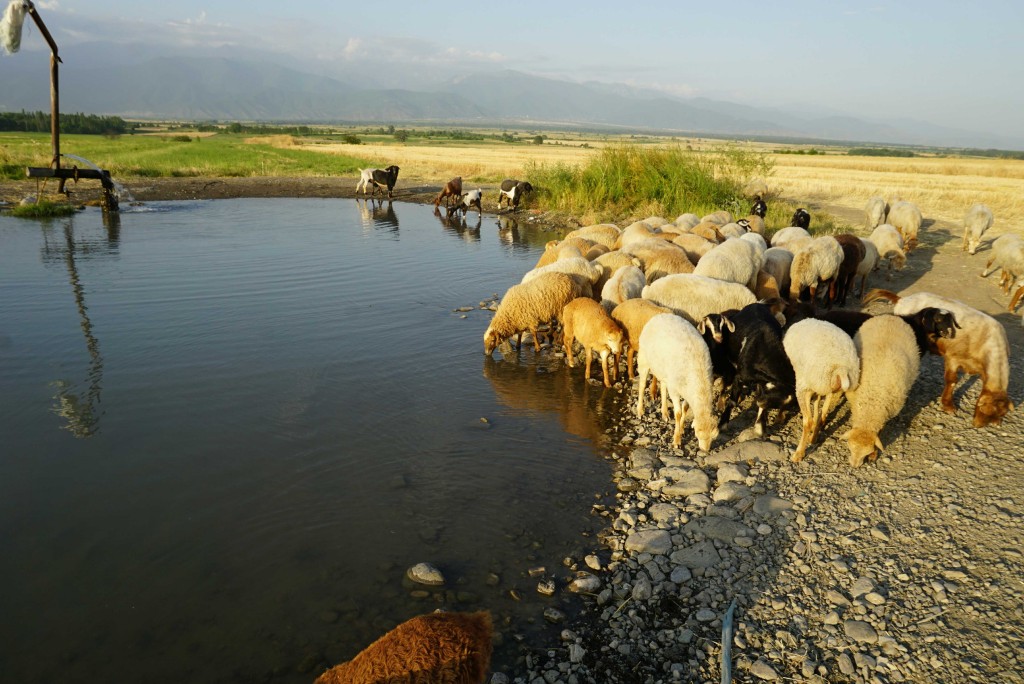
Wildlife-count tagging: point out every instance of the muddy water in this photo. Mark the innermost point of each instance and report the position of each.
(227, 428)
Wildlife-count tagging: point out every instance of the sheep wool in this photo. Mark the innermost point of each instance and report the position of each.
(907, 219)
(734, 261)
(817, 262)
(572, 265)
(825, 362)
(695, 296)
(625, 283)
(977, 220)
(633, 315)
(889, 364)
(876, 211)
(585, 321)
(528, 305)
(889, 244)
(674, 352)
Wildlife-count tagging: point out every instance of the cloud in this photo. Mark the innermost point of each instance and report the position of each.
(411, 50)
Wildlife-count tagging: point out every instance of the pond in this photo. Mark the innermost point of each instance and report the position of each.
(227, 428)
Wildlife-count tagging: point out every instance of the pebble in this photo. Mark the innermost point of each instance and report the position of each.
(861, 631)
(654, 542)
(546, 587)
(425, 573)
(762, 670)
(585, 583)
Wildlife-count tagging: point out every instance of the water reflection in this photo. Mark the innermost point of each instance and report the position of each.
(458, 225)
(377, 214)
(546, 386)
(80, 410)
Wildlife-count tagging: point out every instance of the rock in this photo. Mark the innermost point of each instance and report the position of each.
(654, 542)
(499, 678)
(692, 481)
(732, 472)
(730, 491)
(664, 513)
(845, 664)
(748, 451)
(862, 586)
(832, 618)
(681, 574)
(769, 505)
(627, 484)
(762, 670)
(576, 653)
(546, 587)
(714, 527)
(861, 631)
(425, 573)
(706, 615)
(642, 589)
(874, 598)
(643, 458)
(584, 583)
(553, 615)
(700, 555)
(836, 598)
(592, 561)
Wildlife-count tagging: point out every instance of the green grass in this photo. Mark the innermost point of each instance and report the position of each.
(43, 209)
(629, 180)
(150, 156)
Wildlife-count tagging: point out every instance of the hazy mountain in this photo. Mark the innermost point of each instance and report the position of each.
(136, 80)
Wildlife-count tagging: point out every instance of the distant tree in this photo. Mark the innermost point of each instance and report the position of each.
(351, 139)
(391, 130)
(235, 128)
(401, 135)
(538, 140)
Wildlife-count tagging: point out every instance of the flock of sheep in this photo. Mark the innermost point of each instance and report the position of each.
(699, 299)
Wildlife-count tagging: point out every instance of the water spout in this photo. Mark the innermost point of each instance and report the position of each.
(122, 192)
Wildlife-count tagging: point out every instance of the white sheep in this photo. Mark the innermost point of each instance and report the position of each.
(735, 261)
(674, 352)
(656, 221)
(1007, 255)
(906, 218)
(584, 320)
(868, 264)
(817, 262)
(721, 217)
(889, 243)
(732, 230)
(889, 363)
(791, 238)
(636, 232)
(777, 262)
(528, 305)
(825, 361)
(977, 220)
(756, 239)
(875, 212)
(626, 283)
(687, 221)
(575, 265)
(610, 262)
(555, 249)
(633, 315)
(694, 296)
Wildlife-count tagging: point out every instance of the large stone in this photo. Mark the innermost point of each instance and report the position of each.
(754, 450)
(762, 670)
(714, 527)
(693, 481)
(769, 505)
(730, 491)
(654, 542)
(664, 513)
(858, 630)
(584, 583)
(732, 472)
(643, 458)
(425, 573)
(700, 555)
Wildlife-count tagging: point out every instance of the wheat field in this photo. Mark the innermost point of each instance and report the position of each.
(943, 187)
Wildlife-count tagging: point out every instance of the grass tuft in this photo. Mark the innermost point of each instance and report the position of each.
(43, 209)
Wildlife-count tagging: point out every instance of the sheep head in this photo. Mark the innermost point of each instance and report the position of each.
(862, 445)
(991, 407)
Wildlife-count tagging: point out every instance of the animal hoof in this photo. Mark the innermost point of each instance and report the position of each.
(949, 408)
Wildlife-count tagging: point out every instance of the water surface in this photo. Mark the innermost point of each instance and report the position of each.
(227, 428)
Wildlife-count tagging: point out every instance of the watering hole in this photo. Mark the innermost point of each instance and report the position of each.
(227, 428)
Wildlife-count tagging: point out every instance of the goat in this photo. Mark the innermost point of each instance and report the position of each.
(473, 198)
(451, 191)
(801, 219)
(759, 208)
(513, 191)
(379, 178)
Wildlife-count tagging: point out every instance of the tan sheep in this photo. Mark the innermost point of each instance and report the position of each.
(572, 264)
(585, 321)
(695, 246)
(906, 218)
(633, 315)
(528, 305)
(889, 363)
(554, 248)
(709, 231)
(626, 283)
(454, 648)
(889, 244)
(756, 224)
(610, 262)
(602, 233)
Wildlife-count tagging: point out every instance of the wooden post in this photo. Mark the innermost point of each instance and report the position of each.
(54, 89)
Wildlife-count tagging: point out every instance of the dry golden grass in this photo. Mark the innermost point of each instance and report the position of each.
(944, 188)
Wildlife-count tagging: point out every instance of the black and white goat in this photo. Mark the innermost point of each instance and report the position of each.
(512, 192)
(473, 198)
(746, 350)
(801, 219)
(760, 208)
(379, 179)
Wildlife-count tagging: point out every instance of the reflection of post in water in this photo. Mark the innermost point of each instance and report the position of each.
(384, 217)
(112, 222)
(583, 410)
(80, 411)
(457, 225)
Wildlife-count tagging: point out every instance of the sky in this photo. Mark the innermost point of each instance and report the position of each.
(958, 64)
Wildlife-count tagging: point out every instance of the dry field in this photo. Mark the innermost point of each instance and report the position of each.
(943, 187)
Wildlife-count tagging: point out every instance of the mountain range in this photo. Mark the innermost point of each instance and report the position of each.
(139, 82)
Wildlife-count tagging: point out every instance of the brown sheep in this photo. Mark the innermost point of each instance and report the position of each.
(853, 253)
(585, 321)
(708, 231)
(439, 648)
(633, 315)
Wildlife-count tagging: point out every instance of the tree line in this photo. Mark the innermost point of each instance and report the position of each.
(89, 124)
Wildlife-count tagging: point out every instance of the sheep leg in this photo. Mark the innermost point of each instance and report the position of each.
(664, 401)
(951, 375)
(643, 372)
(567, 342)
(804, 399)
(590, 357)
(654, 387)
(1016, 298)
(629, 363)
(677, 435)
(988, 268)
(604, 366)
(536, 340)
